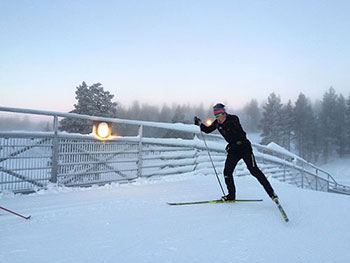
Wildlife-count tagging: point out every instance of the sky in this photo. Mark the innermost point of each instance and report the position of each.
(173, 52)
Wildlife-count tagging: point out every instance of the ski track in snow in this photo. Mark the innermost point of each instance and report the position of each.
(133, 223)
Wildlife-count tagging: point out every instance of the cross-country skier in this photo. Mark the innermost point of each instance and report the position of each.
(238, 147)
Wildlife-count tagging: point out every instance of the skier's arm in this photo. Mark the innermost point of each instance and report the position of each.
(206, 129)
(210, 128)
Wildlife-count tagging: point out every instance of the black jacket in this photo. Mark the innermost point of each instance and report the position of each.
(231, 129)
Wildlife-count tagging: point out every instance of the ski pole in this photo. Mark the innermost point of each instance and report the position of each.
(7, 210)
(212, 163)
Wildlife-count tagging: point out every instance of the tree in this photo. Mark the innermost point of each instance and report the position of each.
(179, 117)
(328, 123)
(347, 125)
(150, 113)
(340, 125)
(304, 127)
(93, 101)
(288, 120)
(253, 115)
(165, 114)
(271, 121)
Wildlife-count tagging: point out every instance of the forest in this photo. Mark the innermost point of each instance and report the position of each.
(313, 130)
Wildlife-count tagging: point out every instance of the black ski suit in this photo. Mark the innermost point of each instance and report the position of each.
(238, 147)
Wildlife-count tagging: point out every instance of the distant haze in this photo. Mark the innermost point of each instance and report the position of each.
(159, 52)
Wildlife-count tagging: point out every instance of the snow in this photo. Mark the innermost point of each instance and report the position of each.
(278, 149)
(133, 223)
(339, 169)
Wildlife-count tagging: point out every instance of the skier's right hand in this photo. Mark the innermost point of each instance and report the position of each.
(197, 121)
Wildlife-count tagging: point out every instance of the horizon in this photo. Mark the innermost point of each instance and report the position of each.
(261, 102)
(41, 121)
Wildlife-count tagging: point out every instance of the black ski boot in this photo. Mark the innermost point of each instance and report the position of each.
(229, 197)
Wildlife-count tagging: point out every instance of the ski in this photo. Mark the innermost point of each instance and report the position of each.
(217, 202)
(283, 213)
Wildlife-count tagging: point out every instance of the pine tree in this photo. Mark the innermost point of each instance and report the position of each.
(165, 114)
(271, 121)
(252, 115)
(179, 117)
(347, 125)
(150, 113)
(304, 127)
(288, 121)
(93, 101)
(328, 124)
(340, 139)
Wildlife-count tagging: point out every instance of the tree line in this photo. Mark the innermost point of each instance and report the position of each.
(312, 130)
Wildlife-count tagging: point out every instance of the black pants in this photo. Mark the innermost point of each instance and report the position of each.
(244, 152)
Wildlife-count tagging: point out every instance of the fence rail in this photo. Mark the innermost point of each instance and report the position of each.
(31, 160)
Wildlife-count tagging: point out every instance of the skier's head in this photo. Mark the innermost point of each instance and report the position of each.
(220, 112)
(219, 109)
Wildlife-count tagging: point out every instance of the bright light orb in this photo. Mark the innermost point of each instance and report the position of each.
(209, 122)
(103, 130)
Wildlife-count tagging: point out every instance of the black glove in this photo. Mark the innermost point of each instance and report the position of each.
(197, 121)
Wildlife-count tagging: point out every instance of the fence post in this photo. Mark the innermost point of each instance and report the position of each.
(196, 155)
(302, 176)
(328, 181)
(284, 168)
(54, 168)
(302, 180)
(139, 163)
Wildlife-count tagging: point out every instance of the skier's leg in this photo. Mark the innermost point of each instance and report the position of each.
(230, 164)
(249, 160)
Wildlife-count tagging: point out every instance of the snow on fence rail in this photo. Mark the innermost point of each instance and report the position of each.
(31, 160)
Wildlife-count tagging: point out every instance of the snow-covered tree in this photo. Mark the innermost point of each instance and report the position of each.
(288, 120)
(347, 125)
(304, 127)
(341, 125)
(252, 115)
(328, 122)
(271, 121)
(91, 100)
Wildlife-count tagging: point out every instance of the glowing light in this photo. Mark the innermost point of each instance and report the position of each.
(209, 122)
(102, 130)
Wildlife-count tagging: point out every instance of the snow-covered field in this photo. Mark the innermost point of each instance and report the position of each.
(133, 223)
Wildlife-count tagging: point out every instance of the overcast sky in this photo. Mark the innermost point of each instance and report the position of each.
(178, 51)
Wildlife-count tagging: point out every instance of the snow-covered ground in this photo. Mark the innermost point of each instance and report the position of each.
(339, 169)
(133, 223)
